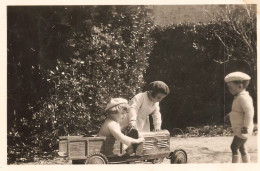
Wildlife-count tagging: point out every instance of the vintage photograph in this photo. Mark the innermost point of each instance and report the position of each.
(131, 84)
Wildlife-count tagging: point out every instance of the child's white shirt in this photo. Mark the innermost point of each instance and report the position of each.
(142, 107)
(242, 113)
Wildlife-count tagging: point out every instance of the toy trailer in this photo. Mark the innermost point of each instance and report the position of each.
(102, 150)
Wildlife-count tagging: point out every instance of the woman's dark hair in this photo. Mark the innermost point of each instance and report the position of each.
(158, 87)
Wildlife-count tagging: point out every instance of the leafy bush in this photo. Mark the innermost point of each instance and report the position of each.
(108, 61)
(87, 55)
(187, 57)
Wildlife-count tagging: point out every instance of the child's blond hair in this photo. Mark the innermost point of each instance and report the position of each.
(117, 109)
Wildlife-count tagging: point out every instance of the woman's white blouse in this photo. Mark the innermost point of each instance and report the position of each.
(142, 107)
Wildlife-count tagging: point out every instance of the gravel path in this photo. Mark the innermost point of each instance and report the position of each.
(211, 149)
(199, 150)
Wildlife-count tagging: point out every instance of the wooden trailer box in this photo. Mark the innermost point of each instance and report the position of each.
(78, 147)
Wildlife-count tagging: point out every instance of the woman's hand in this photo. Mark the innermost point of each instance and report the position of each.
(157, 129)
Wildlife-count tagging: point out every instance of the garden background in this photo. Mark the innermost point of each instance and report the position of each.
(66, 62)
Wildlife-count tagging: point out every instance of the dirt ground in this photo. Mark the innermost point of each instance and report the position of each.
(211, 149)
(199, 150)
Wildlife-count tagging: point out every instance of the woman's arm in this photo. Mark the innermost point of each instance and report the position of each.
(157, 118)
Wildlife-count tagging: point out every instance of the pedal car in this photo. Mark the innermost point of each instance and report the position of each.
(102, 150)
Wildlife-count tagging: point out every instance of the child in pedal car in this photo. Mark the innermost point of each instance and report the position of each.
(116, 111)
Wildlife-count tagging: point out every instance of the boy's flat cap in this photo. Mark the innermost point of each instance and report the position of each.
(237, 76)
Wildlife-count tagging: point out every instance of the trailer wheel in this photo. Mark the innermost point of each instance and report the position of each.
(96, 158)
(178, 157)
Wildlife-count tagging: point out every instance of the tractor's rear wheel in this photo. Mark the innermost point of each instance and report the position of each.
(178, 157)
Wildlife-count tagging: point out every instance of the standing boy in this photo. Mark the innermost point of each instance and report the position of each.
(241, 116)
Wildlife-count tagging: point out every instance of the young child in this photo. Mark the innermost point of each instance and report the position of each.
(116, 111)
(144, 104)
(241, 116)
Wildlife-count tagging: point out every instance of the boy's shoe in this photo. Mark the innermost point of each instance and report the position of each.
(235, 158)
(245, 159)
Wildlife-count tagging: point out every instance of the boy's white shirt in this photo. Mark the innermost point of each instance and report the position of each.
(140, 109)
(242, 113)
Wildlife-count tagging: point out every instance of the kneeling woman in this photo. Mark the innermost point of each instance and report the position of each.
(144, 104)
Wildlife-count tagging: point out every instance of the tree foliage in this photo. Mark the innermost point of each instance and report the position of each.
(238, 36)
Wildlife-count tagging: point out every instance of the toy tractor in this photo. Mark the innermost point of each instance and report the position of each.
(102, 150)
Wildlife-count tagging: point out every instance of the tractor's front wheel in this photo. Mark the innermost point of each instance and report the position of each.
(178, 157)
